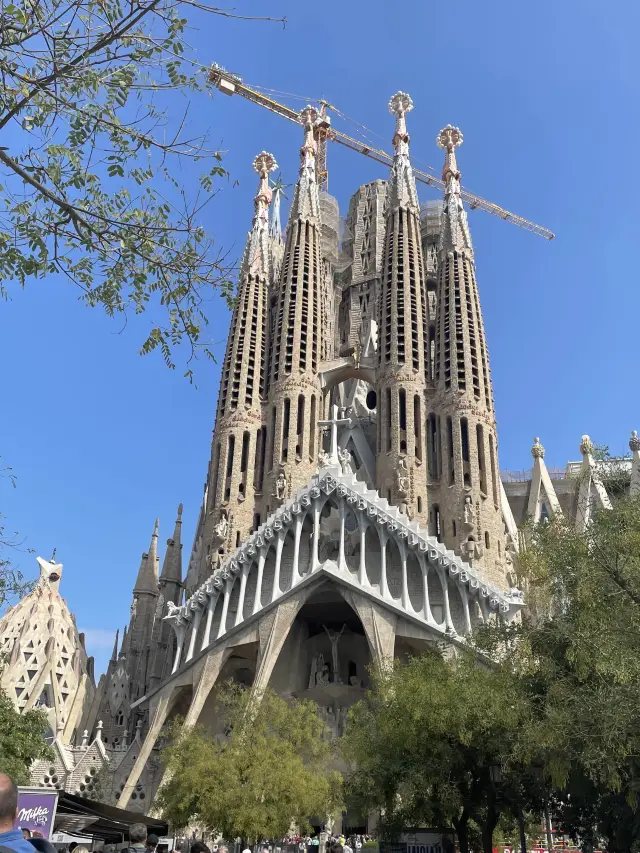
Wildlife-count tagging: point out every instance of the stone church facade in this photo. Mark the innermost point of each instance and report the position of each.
(353, 510)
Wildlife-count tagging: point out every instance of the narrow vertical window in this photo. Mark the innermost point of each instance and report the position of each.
(286, 412)
(230, 453)
(216, 469)
(482, 467)
(272, 438)
(450, 458)
(494, 473)
(464, 446)
(388, 422)
(435, 518)
(312, 429)
(245, 452)
(402, 416)
(300, 426)
(417, 426)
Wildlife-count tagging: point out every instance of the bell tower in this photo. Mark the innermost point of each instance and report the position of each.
(401, 470)
(468, 515)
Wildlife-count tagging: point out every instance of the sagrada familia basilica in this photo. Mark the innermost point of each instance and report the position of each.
(354, 510)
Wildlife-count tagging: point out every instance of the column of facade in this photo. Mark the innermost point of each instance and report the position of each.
(402, 348)
(468, 513)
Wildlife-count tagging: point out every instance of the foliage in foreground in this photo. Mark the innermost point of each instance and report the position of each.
(424, 743)
(22, 739)
(558, 708)
(272, 768)
(94, 114)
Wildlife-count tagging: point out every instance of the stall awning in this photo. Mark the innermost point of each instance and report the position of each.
(78, 816)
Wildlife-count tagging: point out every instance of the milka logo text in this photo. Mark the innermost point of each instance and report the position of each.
(37, 815)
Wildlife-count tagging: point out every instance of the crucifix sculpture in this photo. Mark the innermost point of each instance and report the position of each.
(334, 636)
(334, 422)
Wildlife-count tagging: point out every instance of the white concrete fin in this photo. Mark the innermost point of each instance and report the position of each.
(542, 493)
(591, 490)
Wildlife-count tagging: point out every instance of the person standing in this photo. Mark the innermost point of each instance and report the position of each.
(138, 838)
(152, 843)
(11, 835)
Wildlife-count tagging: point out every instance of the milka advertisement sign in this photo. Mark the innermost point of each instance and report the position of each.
(37, 810)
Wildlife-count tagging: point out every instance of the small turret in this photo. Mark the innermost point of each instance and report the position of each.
(147, 580)
(172, 564)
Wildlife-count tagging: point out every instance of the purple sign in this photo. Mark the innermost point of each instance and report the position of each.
(37, 810)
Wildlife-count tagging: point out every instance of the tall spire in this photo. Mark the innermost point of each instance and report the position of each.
(455, 232)
(403, 322)
(147, 580)
(306, 200)
(401, 191)
(172, 565)
(257, 260)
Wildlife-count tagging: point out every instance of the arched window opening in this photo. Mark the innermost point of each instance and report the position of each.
(419, 504)
(453, 528)
(388, 420)
(487, 541)
(216, 469)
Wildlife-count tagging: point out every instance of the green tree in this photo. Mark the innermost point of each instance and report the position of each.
(272, 768)
(439, 743)
(22, 739)
(94, 145)
(579, 662)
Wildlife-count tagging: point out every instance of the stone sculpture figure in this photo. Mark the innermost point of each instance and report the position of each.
(345, 461)
(222, 527)
(468, 511)
(402, 477)
(280, 486)
(324, 460)
(334, 637)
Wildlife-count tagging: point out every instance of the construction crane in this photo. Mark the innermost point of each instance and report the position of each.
(231, 84)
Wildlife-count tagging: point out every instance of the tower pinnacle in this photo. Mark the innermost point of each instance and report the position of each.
(306, 201)
(257, 257)
(399, 105)
(402, 186)
(455, 234)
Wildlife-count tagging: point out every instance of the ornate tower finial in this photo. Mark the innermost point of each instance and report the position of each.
(53, 556)
(449, 139)
(256, 260)
(308, 119)
(586, 445)
(180, 508)
(537, 451)
(634, 441)
(399, 105)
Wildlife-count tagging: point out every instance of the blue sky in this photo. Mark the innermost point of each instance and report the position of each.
(103, 440)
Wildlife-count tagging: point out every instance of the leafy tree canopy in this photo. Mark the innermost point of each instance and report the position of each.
(423, 746)
(272, 769)
(94, 141)
(22, 739)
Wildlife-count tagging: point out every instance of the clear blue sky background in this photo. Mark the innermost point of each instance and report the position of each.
(547, 95)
